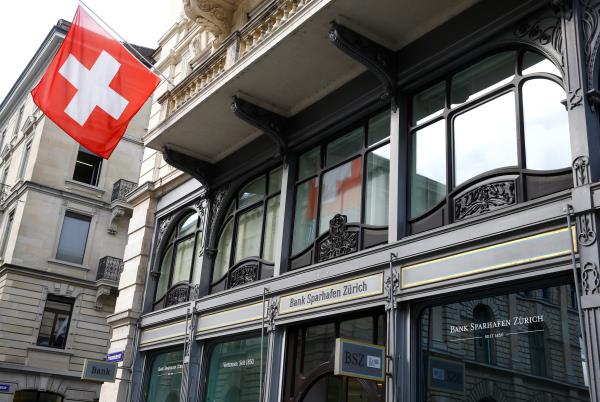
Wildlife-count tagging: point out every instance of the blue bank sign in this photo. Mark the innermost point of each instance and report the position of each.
(359, 359)
(4, 387)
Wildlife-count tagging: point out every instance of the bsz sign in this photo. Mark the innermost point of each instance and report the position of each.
(359, 359)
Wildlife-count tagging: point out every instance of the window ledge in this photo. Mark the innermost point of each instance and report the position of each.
(69, 264)
(86, 188)
(50, 350)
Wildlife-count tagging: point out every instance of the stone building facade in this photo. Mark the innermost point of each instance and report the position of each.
(63, 222)
(420, 176)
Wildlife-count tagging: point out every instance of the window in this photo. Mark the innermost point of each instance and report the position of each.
(234, 369)
(5, 177)
(164, 377)
(87, 167)
(178, 261)
(55, 322)
(73, 237)
(495, 131)
(7, 229)
(18, 122)
(2, 137)
(519, 349)
(347, 176)
(24, 161)
(246, 246)
(36, 396)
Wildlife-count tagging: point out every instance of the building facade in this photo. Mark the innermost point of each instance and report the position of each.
(420, 176)
(63, 220)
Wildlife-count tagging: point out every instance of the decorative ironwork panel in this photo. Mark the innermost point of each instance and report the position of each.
(109, 268)
(121, 189)
(340, 240)
(244, 274)
(485, 198)
(178, 294)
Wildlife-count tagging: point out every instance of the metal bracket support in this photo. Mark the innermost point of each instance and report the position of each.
(198, 169)
(380, 60)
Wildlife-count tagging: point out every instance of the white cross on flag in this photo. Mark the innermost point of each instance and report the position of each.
(93, 87)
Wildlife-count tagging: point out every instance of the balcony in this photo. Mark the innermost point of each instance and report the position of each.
(120, 190)
(119, 206)
(107, 280)
(283, 61)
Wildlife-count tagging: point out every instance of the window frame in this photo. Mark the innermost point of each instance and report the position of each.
(24, 160)
(149, 362)
(58, 299)
(7, 230)
(97, 169)
(448, 116)
(80, 216)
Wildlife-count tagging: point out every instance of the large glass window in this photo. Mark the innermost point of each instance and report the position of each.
(55, 322)
(73, 237)
(500, 120)
(164, 377)
(522, 345)
(247, 242)
(234, 370)
(87, 167)
(348, 175)
(178, 260)
(37, 396)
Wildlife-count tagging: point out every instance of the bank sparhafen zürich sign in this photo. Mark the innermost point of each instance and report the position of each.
(99, 370)
(359, 359)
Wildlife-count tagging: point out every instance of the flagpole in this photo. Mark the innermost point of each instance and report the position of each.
(125, 42)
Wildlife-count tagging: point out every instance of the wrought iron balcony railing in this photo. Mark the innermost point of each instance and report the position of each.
(121, 188)
(109, 268)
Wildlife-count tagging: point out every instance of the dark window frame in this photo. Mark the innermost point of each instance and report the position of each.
(149, 360)
(82, 217)
(95, 163)
(448, 116)
(57, 299)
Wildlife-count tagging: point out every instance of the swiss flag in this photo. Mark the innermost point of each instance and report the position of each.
(93, 87)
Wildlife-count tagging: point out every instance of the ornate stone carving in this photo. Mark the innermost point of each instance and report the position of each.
(574, 99)
(214, 16)
(581, 170)
(591, 31)
(392, 283)
(586, 229)
(116, 213)
(163, 225)
(218, 199)
(272, 312)
(590, 279)
(543, 32)
(485, 198)
(340, 241)
(244, 274)
(177, 295)
(377, 58)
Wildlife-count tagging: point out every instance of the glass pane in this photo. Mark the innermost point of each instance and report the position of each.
(536, 63)
(305, 215)
(275, 180)
(223, 252)
(482, 77)
(428, 104)
(547, 144)
(485, 138)
(59, 332)
(319, 345)
(252, 192)
(165, 272)
(165, 377)
(428, 168)
(187, 224)
(379, 128)
(521, 340)
(73, 237)
(359, 329)
(356, 392)
(184, 260)
(341, 193)
(309, 163)
(378, 180)
(230, 209)
(46, 327)
(326, 389)
(344, 147)
(271, 228)
(248, 234)
(234, 371)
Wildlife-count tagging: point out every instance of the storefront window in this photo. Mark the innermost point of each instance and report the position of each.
(507, 347)
(234, 371)
(164, 377)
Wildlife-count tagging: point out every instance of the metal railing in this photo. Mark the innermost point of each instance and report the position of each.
(121, 189)
(109, 268)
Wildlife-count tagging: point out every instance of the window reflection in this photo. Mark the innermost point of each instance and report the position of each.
(341, 193)
(429, 104)
(536, 63)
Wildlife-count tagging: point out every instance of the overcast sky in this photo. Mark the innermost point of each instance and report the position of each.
(25, 24)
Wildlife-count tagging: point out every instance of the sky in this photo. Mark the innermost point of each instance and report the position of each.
(25, 24)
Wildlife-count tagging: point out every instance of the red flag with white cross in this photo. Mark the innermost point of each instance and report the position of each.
(93, 87)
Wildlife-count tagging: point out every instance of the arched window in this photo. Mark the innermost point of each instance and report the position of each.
(246, 247)
(488, 136)
(177, 261)
(36, 396)
(483, 343)
(342, 189)
(537, 348)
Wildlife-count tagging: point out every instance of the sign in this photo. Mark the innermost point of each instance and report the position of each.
(359, 359)
(4, 387)
(98, 370)
(115, 357)
(516, 325)
(446, 375)
(332, 294)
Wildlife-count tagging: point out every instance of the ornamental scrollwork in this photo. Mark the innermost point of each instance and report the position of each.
(485, 198)
(272, 312)
(177, 295)
(392, 283)
(590, 22)
(163, 225)
(340, 240)
(544, 31)
(217, 204)
(242, 275)
(590, 279)
(586, 229)
(581, 170)
(574, 99)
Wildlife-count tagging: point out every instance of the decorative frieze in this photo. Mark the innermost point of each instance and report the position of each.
(485, 198)
(243, 274)
(340, 241)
